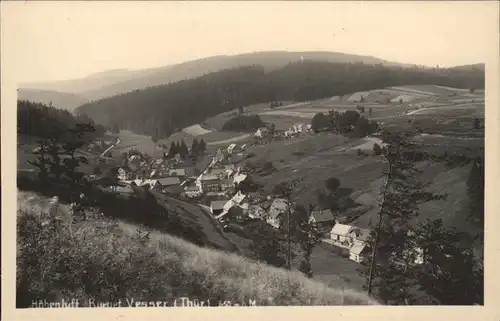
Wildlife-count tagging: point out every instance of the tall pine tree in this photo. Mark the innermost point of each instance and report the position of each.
(202, 147)
(194, 147)
(389, 277)
(183, 149)
(475, 191)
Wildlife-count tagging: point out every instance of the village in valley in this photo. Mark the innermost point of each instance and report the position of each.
(307, 177)
(226, 190)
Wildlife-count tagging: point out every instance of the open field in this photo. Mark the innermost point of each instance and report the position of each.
(196, 130)
(436, 103)
(315, 158)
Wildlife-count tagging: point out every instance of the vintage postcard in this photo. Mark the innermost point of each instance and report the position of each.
(254, 156)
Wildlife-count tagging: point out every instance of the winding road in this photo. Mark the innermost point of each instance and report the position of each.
(110, 147)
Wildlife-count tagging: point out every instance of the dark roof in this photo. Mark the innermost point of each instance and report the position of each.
(218, 205)
(166, 181)
(323, 216)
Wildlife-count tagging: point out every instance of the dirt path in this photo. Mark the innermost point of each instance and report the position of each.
(229, 140)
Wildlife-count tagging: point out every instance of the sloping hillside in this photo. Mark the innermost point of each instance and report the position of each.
(89, 83)
(100, 260)
(60, 100)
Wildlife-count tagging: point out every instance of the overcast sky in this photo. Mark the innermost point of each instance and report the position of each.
(64, 40)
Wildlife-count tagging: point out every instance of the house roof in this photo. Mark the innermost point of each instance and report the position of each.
(218, 205)
(238, 197)
(341, 229)
(177, 172)
(123, 189)
(323, 216)
(362, 234)
(279, 203)
(239, 178)
(266, 204)
(208, 177)
(357, 249)
(256, 211)
(228, 205)
(167, 181)
(191, 188)
(278, 206)
(151, 182)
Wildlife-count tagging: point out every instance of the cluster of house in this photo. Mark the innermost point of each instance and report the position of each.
(220, 176)
(295, 130)
(163, 175)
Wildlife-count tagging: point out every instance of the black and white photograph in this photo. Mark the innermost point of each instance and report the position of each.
(249, 154)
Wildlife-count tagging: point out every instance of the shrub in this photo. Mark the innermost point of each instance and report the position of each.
(102, 260)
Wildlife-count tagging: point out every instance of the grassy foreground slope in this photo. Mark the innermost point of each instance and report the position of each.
(105, 260)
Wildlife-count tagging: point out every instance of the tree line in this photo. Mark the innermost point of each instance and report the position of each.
(163, 110)
(244, 123)
(198, 148)
(348, 122)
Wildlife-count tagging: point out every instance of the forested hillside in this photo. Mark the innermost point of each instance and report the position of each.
(161, 110)
(39, 120)
(113, 82)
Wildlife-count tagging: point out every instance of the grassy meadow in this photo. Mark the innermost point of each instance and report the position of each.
(105, 260)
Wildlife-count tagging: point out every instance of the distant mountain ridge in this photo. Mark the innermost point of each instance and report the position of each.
(60, 100)
(113, 82)
(119, 81)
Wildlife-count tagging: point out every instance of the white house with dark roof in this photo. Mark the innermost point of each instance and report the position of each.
(208, 183)
(353, 238)
(340, 234)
